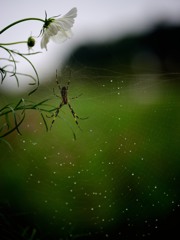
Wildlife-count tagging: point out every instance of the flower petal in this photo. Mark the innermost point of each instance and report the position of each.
(67, 20)
(71, 14)
(44, 40)
(53, 29)
(59, 30)
(62, 36)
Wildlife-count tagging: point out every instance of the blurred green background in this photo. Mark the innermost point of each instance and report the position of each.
(118, 180)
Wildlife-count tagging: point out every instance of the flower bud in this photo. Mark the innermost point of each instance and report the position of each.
(31, 42)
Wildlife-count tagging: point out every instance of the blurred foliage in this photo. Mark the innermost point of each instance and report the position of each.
(153, 51)
(121, 176)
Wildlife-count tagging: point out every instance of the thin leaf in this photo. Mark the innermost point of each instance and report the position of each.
(21, 55)
(11, 56)
(15, 121)
(13, 129)
(45, 123)
(34, 90)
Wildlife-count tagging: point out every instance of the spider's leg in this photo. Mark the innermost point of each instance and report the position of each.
(59, 86)
(74, 114)
(56, 114)
(68, 84)
(55, 94)
(77, 96)
(69, 81)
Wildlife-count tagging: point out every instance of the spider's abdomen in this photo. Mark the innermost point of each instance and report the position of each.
(64, 95)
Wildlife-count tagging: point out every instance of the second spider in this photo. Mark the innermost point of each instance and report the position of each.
(64, 101)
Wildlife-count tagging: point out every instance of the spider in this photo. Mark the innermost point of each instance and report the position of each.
(64, 97)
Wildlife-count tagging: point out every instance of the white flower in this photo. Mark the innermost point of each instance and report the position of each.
(58, 29)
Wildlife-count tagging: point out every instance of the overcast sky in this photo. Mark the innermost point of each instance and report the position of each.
(97, 21)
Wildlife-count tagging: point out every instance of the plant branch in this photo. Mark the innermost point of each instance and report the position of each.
(19, 21)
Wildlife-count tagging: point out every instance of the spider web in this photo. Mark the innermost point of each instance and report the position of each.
(118, 180)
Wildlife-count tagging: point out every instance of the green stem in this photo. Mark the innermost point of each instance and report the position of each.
(19, 21)
(13, 43)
